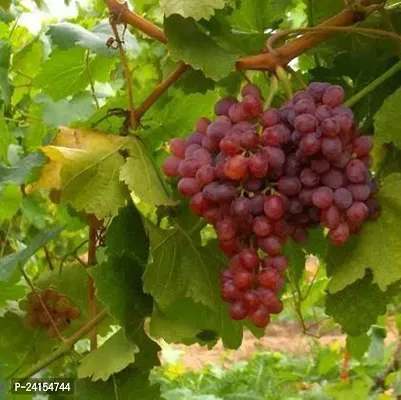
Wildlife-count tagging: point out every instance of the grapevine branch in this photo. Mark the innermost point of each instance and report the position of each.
(266, 61)
(93, 223)
(66, 347)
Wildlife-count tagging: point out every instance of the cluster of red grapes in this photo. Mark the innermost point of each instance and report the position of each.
(58, 306)
(262, 176)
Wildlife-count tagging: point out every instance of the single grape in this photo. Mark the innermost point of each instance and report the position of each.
(330, 127)
(356, 171)
(223, 105)
(226, 228)
(237, 113)
(217, 130)
(249, 139)
(199, 204)
(171, 166)
(251, 299)
(292, 166)
(322, 197)
(251, 90)
(295, 206)
(257, 204)
(229, 247)
(260, 317)
(345, 122)
(305, 123)
(320, 165)
(333, 96)
(241, 208)
(203, 156)
(210, 145)
(323, 112)
(342, 198)
(358, 212)
(229, 292)
(189, 167)
(305, 196)
(301, 95)
(310, 144)
(339, 235)
(178, 146)
(191, 148)
(332, 148)
(271, 245)
(205, 174)
(342, 161)
(274, 207)
(249, 259)
(188, 187)
(242, 126)
(360, 192)
(362, 146)
(309, 178)
(270, 117)
(211, 215)
(305, 106)
(275, 156)
(289, 185)
(226, 276)
(271, 279)
(236, 167)
(201, 125)
(253, 185)
(279, 263)
(238, 310)
(195, 138)
(225, 193)
(252, 105)
(243, 280)
(261, 226)
(331, 217)
(231, 144)
(258, 165)
(287, 114)
(282, 229)
(300, 235)
(317, 90)
(333, 179)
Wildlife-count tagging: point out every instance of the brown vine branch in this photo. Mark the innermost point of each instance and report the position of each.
(344, 374)
(133, 19)
(93, 225)
(335, 29)
(114, 20)
(160, 89)
(66, 347)
(48, 257)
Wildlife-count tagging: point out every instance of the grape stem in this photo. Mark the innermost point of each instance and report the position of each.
(273, 87)
(283, 78)
(373, 85)
(66, 347)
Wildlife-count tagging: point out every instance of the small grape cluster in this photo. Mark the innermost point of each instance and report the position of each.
(58, 306)
(262, 176)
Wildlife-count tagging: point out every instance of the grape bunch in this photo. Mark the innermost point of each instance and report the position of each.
(58, 306)
(262, 176)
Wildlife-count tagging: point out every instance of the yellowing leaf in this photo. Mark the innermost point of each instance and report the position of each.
(85, 165)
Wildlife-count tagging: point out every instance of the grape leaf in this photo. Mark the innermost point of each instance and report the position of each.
(5, 86)
(9, 263)
(358, 345)
(125, 226)
(196, 9)
(387, 121)
(89, 166)
(376, 247)
(142, 177)
(357, 307)
(10, 201)
(187, 42)
(258, 15)
(131, 383)
(63, 74)
(66, 35)
(118, 352)
(10, 291)
(181, 267)
(20, 171)
(183, 320)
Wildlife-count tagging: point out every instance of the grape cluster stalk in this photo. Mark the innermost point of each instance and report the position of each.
(58, 307)
(263, 176)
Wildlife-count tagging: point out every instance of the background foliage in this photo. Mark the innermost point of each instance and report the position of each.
(157, 273)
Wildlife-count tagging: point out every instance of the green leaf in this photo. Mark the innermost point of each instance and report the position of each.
(10, 201)
(66, 35)
(5, 4)
(125, 226)
(142, 177)
(187, 42)
(11, 261)
(118, 352)
(358, 345)
(357, 307)
(4, 138)
(377, 348)
(387, 120)
(5, 86)
(35, 135)
(66, 112)
(20, 171)
(63, 74)
(345, 390)
(181, 267)
(10, 291)
(348, 263)
(258, 15)
(131, 383)
(196, 9)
